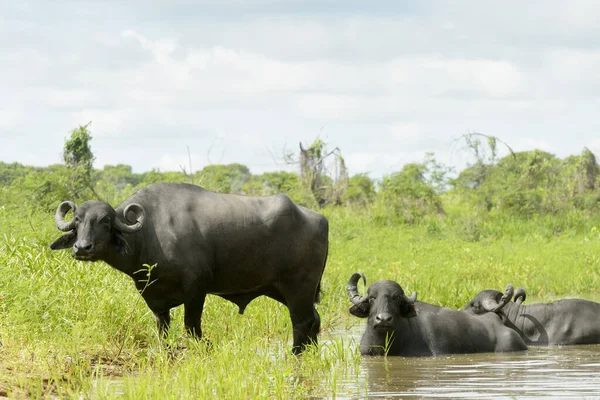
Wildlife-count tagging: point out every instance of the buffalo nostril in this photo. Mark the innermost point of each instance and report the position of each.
(383, 318)
(85, 248)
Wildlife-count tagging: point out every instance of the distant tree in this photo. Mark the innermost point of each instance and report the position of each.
(586, 172)
(79, 159)
(325, 179)
(280, 181)
(436, 173)
(154, 176)
(531, 182)
(11, 172)
(270, 183)
(410, 194)
(223, 178)
(410, 183)
(43, 189)
(360, 191)
(485, 157)
(119, 175)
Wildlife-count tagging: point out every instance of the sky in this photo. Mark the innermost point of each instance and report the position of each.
(246, 81)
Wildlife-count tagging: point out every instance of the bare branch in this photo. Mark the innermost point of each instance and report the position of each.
(285, 157)
(467, 136)
(334, 151)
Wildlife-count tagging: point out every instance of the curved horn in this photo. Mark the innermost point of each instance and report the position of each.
(412, 298)
(352, 288)
(507, 296)
(520, 295)
(59, 217)
(489, 304)
(137, 225)
(492, 305)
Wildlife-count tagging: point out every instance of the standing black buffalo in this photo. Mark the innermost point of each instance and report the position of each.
(407, 327)
(563, 322)
(236, 247)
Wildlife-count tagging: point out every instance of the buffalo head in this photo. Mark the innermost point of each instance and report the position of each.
(95, 227)
(384, 301)
(489, 301)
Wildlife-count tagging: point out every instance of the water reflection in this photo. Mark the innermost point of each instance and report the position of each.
(540, 372)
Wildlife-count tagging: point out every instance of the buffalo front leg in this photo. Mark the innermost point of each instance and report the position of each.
(193, 315)
(163, 320)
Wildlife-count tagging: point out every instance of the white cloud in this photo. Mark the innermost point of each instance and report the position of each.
(11, 117)
(406, 132)
(104, 123)
(387, 86)
(217, 72)
(386, 162)
(575, 72)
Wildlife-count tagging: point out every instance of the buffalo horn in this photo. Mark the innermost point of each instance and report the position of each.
(352, 288)
(489, 304)
(137, 225)
(520, 295)
(412, 298)
(59, 217)
(492, 305)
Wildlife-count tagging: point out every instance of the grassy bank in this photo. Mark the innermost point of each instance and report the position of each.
(71, 328)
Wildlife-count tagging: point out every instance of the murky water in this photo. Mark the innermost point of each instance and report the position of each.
(541, 372)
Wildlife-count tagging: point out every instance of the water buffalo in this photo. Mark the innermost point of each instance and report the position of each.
(562, 322)
(406, 327)
(237, 247)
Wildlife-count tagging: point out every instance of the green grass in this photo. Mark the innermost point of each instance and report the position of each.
(72, 329)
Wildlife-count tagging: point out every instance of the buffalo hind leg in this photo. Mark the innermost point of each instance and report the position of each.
(305, 329)
(316, 326)
(305, 324)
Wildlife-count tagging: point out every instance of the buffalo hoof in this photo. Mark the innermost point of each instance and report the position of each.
(176, 351)
(195, 342)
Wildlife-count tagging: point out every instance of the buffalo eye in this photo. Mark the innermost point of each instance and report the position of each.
(105, 223)
(76, 219)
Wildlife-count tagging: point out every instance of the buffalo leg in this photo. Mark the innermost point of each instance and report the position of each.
(316, 326)
(193, 315)
(306, 324)
(163, 320)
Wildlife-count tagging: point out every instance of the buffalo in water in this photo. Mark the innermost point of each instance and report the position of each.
(236, 247)
(562, 322)
(399, 325)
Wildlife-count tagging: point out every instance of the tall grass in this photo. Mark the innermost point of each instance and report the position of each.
(72, 329)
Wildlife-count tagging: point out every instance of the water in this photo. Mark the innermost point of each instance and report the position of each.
(540, 372)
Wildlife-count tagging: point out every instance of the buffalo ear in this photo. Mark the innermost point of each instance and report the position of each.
(121, 243)
(408, 310)
(64, 242)
(360, 310)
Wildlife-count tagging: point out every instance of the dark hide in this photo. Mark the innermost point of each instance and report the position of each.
(562, 322)
(236, 247)
(413, 328)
